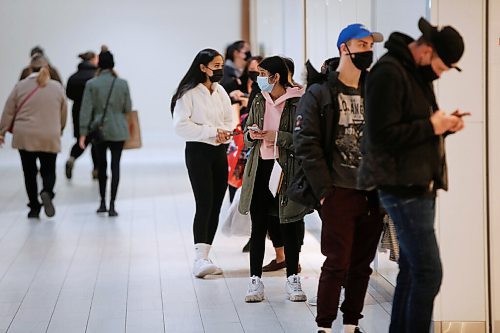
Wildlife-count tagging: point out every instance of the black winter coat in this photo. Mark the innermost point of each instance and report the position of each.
(75, 88)
(314, 136)
(400, 148)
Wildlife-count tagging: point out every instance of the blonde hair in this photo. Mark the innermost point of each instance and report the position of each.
(40, 64)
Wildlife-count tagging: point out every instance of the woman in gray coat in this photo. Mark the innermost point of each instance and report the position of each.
(35, 113)
(106, 100)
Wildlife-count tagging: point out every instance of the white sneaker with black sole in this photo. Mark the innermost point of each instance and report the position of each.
(203, 267)
(294, 289)
(255, 291)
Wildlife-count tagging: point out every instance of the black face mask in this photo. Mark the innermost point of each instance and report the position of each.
(428, 73)
(362, 60)
(217, 75)
(252, 75)
(248, 55)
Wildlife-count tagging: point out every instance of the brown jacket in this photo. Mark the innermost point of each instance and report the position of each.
(39, 123)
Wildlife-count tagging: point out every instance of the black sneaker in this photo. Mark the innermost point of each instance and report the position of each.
(48, 206)
(102, 208)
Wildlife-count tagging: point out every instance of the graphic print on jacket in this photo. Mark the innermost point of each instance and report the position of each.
(350, 129)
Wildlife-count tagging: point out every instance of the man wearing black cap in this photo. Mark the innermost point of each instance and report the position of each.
(404, 158)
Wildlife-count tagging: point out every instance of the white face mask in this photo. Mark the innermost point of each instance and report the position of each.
(264, 85)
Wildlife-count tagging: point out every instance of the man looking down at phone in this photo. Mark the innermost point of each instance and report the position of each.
(269, 136)
(404, 158)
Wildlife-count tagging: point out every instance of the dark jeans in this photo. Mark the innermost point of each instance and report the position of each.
(420, 271)
(77, 151)
(263, 213)
(207, 169)
(116, 148)
(30, 170)
(351, 228)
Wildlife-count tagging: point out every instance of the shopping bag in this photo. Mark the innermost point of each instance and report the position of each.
(134, 141)
(236, 224)
(236, 160)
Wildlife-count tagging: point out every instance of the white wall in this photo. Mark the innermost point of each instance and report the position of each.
(462, 212)
(153, 41)
(277, 29)
(494, 155)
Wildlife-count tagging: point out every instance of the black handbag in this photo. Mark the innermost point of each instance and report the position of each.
(96, 131)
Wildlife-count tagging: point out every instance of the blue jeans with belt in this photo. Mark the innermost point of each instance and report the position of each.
(420, 271)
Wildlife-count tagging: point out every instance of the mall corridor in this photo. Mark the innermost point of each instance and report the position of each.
(80, 272)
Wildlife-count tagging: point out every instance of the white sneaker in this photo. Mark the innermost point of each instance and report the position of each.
(313, 301)
(294, 289)
(204, 267)
(255, 291)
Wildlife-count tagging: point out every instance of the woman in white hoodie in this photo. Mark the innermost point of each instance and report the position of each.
(202, 114)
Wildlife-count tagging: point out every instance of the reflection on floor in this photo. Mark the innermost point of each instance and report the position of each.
(79, 272)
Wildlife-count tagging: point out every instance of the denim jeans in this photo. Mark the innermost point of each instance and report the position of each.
(420, 271)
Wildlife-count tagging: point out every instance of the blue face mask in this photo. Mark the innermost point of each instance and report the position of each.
(264, 85)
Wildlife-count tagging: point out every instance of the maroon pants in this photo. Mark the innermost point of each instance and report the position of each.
(351, 228)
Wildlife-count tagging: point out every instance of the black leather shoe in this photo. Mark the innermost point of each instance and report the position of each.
(34, 212)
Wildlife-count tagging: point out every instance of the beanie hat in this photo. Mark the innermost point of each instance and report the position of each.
(106, 60)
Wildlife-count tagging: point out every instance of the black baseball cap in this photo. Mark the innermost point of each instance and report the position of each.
(447, 42)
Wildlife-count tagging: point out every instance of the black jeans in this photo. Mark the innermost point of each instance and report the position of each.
(77, 151)
(30, 170)
(207, 169)
(264, 211)
(116, 148)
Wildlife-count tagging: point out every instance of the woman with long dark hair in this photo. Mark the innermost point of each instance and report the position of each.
(106, 100)
(202, 114)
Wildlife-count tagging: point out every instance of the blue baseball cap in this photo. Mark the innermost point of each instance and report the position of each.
(357, 31)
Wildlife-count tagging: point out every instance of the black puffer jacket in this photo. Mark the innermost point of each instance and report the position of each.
(75, 88)
(400, 148)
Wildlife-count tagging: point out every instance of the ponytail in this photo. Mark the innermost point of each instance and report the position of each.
(43, 76)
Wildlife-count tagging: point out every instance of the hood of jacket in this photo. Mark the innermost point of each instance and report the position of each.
(86, 65)
(291, 92)
(397, 46)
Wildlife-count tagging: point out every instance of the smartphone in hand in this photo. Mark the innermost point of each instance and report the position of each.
(254, 128)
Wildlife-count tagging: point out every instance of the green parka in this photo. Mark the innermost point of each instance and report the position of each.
(289, 211)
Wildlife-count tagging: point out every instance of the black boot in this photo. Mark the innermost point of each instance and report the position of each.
(47, 203)
(102, 208)
(112, 211)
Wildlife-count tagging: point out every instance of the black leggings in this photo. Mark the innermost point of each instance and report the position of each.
(77, 151)
(30, 170)
(207, 169)
(116, 148)
(264, 212)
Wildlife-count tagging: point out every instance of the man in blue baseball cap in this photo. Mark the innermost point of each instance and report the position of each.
(329, 127)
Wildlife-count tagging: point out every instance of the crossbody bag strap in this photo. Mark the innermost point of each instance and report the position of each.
(107, 101)
(25, 100)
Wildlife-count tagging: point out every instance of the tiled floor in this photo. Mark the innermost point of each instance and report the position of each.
(79, 272)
